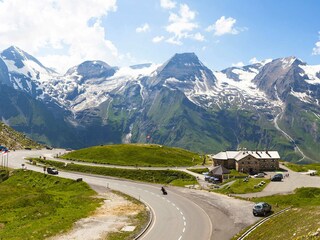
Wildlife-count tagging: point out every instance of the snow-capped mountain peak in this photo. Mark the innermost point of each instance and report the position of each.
(287, 62)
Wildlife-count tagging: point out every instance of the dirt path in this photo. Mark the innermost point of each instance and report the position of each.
(112, 216)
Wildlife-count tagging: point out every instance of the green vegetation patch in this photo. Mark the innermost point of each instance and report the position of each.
(300, 198)
(15, 140)
(154, 176)
(239, 186)
(142, 155)
(299, 222)
(4, 174)
(36, 206)
(198, 170)
(304, 167)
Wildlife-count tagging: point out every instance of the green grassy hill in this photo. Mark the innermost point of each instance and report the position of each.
(13, 139)
(36, 206)
(136, 155)
(301, 221)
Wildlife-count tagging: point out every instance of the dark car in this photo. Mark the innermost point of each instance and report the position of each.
(53, 171)
(207, 177)
(213, 180)
(261, 208)
(277, 178)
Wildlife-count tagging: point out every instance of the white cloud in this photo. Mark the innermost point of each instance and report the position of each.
(198, 36)
(316, 49)
(157, 39)
(254, 60)
(72, 28)
(174, 41)
(182, 24)
(238, 64)
(224, 26)
(167, 4)
(145, 27)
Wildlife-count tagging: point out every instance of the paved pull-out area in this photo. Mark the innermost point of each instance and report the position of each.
(287, 185)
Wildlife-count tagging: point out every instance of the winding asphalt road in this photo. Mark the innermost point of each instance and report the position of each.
(175, 216)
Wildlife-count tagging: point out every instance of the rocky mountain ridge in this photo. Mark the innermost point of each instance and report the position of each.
(179, 103)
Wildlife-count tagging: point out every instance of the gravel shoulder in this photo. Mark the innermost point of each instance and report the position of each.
(112, 216)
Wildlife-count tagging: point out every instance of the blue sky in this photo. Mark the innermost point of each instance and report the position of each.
(123, 32)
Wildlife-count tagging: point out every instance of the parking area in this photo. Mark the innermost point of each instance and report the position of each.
(289, 183)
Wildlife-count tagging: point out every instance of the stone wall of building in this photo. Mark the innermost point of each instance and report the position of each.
(229, 164)
(248, 164)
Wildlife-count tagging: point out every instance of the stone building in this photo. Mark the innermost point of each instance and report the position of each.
(248, 161)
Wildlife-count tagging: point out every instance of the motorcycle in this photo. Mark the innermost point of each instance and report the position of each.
(164, 192)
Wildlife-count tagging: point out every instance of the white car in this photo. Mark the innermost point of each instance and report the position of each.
(259, 175)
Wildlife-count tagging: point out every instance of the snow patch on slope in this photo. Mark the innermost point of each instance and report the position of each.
(313, 73)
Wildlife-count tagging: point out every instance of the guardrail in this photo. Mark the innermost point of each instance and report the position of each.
(149, 223)
(246, 233)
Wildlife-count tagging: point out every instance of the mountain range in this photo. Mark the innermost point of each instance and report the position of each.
(273, 104)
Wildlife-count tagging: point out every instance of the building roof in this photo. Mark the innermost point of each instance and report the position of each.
(219, 170)
(226, 155)
(238, 155)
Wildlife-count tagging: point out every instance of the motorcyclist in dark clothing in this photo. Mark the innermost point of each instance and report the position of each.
(164, 192)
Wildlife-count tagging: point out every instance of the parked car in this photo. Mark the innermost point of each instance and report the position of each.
(261, 208)
(207, 177)
(213, 180)
(258, 175)
(277, 178)
(52, 170)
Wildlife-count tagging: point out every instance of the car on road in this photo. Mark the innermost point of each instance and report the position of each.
(52, 170)
(277, 178)
(261, 209)
(258, 175)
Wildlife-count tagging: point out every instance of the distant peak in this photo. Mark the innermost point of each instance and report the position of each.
(290, 61)
(181, 60)
(92, 69)
(15, 52)
(185, 56)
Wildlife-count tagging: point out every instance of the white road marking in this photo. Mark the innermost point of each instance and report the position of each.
(184, 223)
(184, 229)
(180, 238)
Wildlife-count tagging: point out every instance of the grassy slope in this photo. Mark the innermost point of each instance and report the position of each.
(303, 126)
(13, 139)
(176, 178)
(241, 187)
(297, 223)
(38, 206)
(304, 168)
(135, 155)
